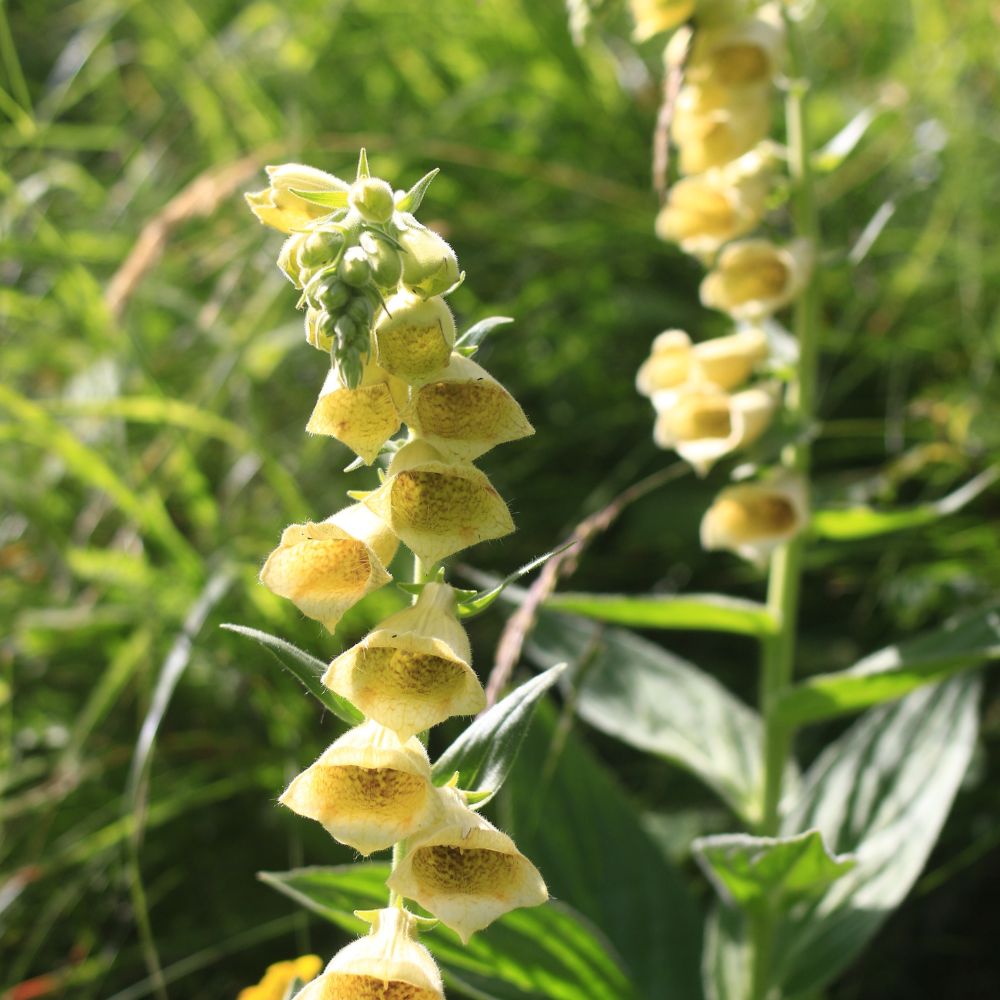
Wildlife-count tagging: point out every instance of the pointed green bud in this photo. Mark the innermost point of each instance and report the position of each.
(385, 261)
(354, 267)
(430, 266)
(372, 199)
(319, 248)
(333, 294)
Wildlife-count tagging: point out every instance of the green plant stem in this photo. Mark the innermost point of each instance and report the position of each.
(784, 583)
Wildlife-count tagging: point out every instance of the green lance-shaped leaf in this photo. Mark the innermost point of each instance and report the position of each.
(895, 671)
(329, 199)
(649, 698)
(306, 668)
(881, 792)
(769, 872)
(411, 201)
(708, 612)
(727, 963)
(484, 754)
(547, 951)
(471, 340)
(866, 522)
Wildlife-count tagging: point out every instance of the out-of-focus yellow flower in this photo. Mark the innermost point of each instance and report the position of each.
(368, 789)
(729, 361)
(668, 364)
(755, 278)
(277, 207)
(388, 964)
(280, 976)
(653, 16)
(430, 266)
(464, 411)
(702, 422)
(714, 125)
(752, 519)
(327, 567)
(363, 418)
(707, 210)
(740, 53)
(413, 671)
(465, 871)
(414, 336)
(437, 507)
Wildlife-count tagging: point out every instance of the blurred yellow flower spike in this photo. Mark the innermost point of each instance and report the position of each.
(740, 53)
(729, 361)
(707, 210)
(414, 336)
(368, 789)
(714, 125)
(388, 964)
(464, 411)
(277, 207)
(755, 278)
(668, 364)
(327, 567)
(703, 423)
(465, 871)
(653, 16)
(363, 418)
(413, 671)
(430, 266)
(752, 519)
(436, 507)
(280, 976)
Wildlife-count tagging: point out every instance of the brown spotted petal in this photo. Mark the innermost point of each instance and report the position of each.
(363, 418)
(414, 336)
(326, 567)
(464, 411)
(368, 789)
(413, 671)
(388, 964)
(465, 871)
(436, 507)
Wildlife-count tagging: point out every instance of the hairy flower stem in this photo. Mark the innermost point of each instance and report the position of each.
(784, 583)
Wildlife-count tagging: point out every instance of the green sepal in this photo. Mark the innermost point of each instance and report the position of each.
(329, 199)
(469, 342)
(363, 170)
(410, 201)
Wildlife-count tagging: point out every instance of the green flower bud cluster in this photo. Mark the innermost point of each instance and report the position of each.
(366, 248)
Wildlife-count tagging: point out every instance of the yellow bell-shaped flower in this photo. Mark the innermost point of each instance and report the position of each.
(413, 671)
(436, 507)
(668, 364)
(702, 422)
(755, 278)
(707, 210)
(388, 964)
(277, 207)
(280, 976)
(327, 567)
(714, 125)
(752, 519)
(728, 362)
(465, 871)
(738, 53)
(368, 789)
(464, 412)
(653, 16)
(414, 336)
(363, 418)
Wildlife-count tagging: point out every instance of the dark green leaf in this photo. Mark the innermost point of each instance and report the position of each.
(770, 871)
(895, 671)
(710, 612)
(477, 604)
(411, 201)
(547, 951)
(306, 668)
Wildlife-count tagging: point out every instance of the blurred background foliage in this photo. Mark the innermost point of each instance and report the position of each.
(155, 385)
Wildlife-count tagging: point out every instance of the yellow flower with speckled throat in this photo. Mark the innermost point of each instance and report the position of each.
(414, 336)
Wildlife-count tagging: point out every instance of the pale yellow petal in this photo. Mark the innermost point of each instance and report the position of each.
(414, 336)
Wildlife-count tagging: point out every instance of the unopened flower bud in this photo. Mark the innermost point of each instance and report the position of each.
(437, 507)
(372, 199)
(325, 568)
(413, 671)
(755, 278)
(668, 364)
(465, 871)
(388, 964)
(319, 248)
(354, 268)
(752, 519)
(368, 789)
(278, 207)
(414, 336)
(430, 266)
(385, 261)
(333, 294)
(320, 329)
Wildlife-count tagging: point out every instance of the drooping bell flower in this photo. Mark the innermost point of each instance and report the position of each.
(363, 418)
(752, 519)
(668, 364)
(280, 976)
(465, 871)
(436, 507)
(413, 671)
(388, 964)
(728, 362)
(368, 789)
(414, 336)
(653, 16)
(464, 412)
(326, 567)
(278, 207)
(738, 54)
